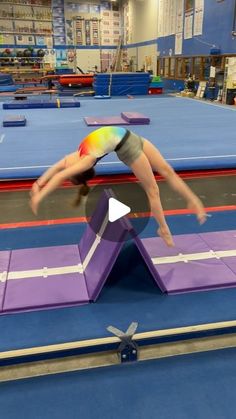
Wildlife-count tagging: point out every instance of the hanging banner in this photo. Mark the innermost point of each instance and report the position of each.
(198, 17)
(166, 14)
(179, 16)
(172, 16)
(178, 43)
(160, 18)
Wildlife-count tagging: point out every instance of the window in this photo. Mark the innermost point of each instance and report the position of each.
(166, 67)
(179, 68)
(172, 67)
(187, 62)
(197, 68)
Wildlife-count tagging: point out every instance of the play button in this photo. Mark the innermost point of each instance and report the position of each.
(116, 210)
(128, 201)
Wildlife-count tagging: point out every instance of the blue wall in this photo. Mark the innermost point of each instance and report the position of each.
(217, 30)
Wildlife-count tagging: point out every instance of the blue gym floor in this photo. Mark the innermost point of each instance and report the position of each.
(129, 295)
(191, 134)
(199, 386)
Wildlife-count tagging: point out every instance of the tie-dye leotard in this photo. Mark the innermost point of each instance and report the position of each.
(102, 141)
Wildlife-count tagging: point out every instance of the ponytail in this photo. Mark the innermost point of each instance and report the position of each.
(83, 188)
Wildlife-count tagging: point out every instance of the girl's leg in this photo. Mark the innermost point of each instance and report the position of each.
(160, 165)
(143, 171)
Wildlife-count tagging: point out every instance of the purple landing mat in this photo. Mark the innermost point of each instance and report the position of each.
(43, 288)
(224, 240)
(4, 265)
(108, 120)
(193, 275)
(135, 118)
(103, 253)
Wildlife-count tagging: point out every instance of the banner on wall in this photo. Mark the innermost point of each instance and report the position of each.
(173, 14)
(160, 18)
(179, 16)
(166, 17)
(178, 43)
(198, 17)
(188, 19)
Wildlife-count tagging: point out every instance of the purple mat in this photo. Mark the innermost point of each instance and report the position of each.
(4, 265)
(135, 118)
(224, 240)
(106, 252)
(181, 274)
(41, 287)
(62, 275)
(72, 275)
(101, 121)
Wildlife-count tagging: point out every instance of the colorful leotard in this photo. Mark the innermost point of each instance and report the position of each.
(102, 141)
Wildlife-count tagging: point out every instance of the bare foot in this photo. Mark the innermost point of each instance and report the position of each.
(165, 234)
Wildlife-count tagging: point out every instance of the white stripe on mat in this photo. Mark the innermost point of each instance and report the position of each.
(46, 272)
(194, 256)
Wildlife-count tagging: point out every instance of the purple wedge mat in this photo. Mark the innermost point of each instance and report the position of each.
(147, 259)
(94, 224)
(220, 241)
(198, 275)
(106, 252)
(135, 117)
(4, 265)
(39, 292)
(108, 120)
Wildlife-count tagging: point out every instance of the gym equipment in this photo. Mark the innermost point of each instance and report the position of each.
(135, 118)
(42, 103)
(121, 84)
(58, 276)
(14, 121)
(126, 118)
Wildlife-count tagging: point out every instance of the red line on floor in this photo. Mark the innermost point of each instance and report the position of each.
(116, 179)
(78, 220)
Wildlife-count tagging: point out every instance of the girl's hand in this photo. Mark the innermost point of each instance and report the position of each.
(34, 203)
(196, 206)
(165, 234)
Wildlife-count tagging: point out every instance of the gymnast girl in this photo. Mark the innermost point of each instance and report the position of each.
(137, 153)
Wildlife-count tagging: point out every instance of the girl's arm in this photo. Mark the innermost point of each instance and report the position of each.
(60, 165)
(42, 180)
(58, 178)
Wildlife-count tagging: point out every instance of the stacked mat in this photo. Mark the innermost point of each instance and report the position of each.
(42, 103)
(126, 118)
(120, 84)
(156, 86)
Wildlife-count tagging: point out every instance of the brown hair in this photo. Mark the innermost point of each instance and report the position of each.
(81, 180)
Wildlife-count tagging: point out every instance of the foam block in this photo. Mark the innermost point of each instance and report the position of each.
(99, 121)
(129, 118)
(135, 118)
(14, 121)
(42, 103)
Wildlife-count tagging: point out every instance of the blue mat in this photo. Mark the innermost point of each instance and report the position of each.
(198, 386)
(129, 294)
(14, 121)
(41, 104)
(190, 134)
